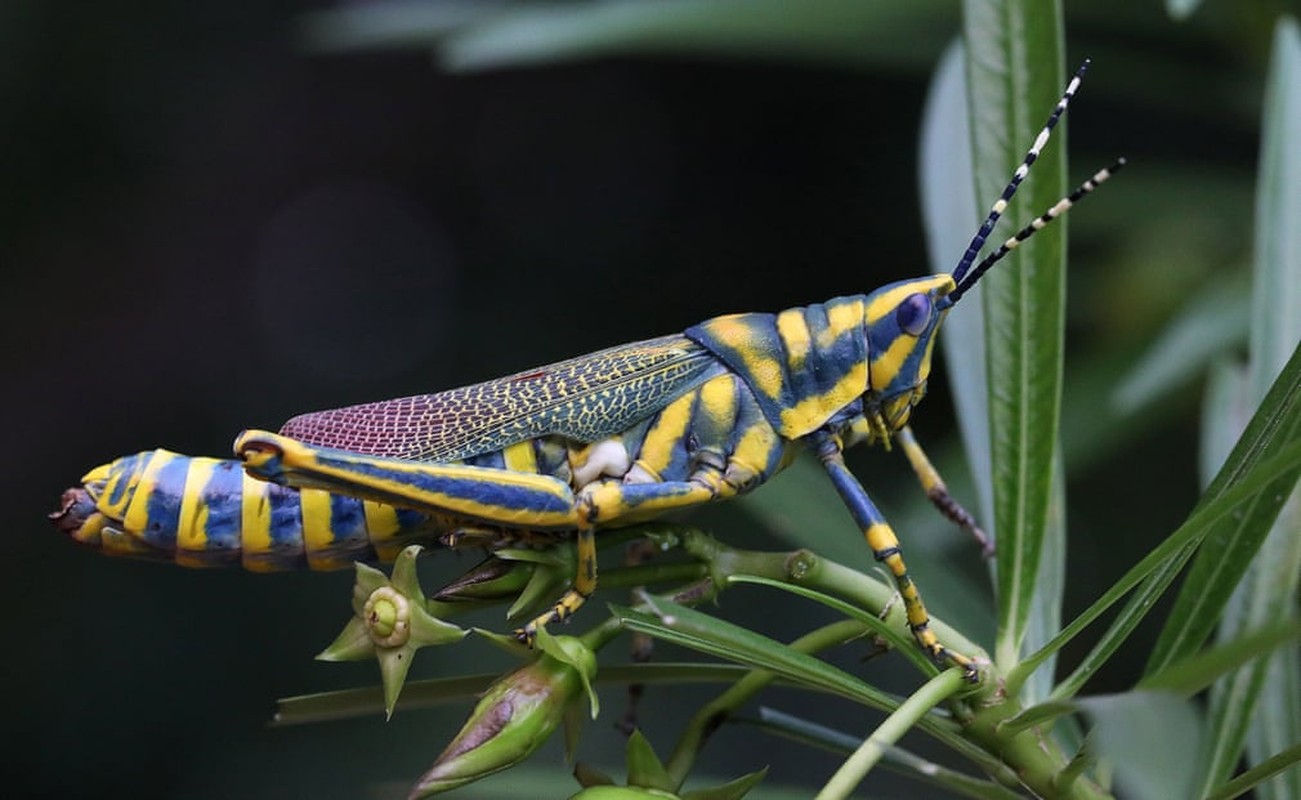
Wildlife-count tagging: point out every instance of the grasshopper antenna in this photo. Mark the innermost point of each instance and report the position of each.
(1060, 207)
(961, 275)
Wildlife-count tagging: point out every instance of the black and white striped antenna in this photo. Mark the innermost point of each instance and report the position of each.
(964, 274)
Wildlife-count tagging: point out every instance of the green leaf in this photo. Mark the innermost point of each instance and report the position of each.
(1258, 703)
(1036, 715)
(891, 634)
(1014, 72)
(845, 33)
(1126, 621)
(1197, 672)
(1213, 323)
(1234, 541)
(491, 35)
(1274, 579)
(1275, 334)
(1147, 735)
(688, 628)
(732, 790)
(1278, 764)
(351, 703)
(1247, 488)
(644, 767)
(949, 216)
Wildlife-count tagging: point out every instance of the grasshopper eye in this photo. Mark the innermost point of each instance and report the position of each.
(914, 314)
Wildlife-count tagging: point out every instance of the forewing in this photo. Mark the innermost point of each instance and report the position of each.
(587, 398)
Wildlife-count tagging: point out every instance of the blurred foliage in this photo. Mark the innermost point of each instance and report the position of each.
(214, 220)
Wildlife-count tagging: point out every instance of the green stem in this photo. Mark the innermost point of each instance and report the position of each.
(705, 721)
(896, 759)
(803, 567)
(651, 574)
(1026, 758)
(904, 718)
(833, 578)
(1036, 759)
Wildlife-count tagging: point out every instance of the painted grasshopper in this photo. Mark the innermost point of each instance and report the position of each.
(632, 432)
(638, 430)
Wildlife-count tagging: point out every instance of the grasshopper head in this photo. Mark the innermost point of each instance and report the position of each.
(901, 322)
(902, 318)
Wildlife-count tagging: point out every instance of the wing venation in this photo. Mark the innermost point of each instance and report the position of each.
(587, 398)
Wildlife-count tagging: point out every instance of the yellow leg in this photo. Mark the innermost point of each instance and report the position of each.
(572, 600)
(885, 548)
(606, 502)
(938, 493)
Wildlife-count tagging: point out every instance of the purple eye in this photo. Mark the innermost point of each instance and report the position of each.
(914, 314)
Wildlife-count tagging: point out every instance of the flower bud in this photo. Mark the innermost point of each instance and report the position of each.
(491, 579)
(514, 717)
(390, 623)
(648, 780)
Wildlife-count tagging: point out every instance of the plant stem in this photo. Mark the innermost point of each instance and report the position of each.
(705, 721)
(856, 767)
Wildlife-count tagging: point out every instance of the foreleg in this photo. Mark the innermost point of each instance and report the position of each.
(885, 548)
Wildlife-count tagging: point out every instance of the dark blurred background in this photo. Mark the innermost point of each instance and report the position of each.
(206, 226)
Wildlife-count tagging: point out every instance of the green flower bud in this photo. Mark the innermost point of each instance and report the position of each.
(492, 579)
(515, 716)
(387, 615)
(390, 623)
(648, 779)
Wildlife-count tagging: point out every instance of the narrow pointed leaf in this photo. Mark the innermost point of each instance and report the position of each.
(844, 33)
(1197, 672)
(1274, 579)
(689, 628)
(1267, 453)
(430, 693)
(1015, 76)
(1248, 488)
(896, 639)
(1036, 715)
(732, 790)
(644, 767)
(1229, 550)
(1257, 704)
(1276, 765)
(1275, 334)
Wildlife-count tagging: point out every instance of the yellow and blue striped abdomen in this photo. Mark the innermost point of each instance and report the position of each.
(161, 505)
